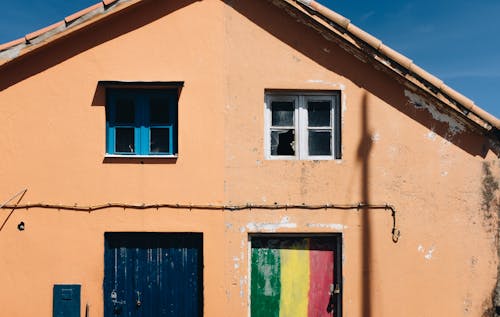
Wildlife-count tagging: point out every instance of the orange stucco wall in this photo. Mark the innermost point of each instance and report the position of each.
(428, 164)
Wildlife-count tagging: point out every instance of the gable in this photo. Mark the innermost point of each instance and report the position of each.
(330, 25)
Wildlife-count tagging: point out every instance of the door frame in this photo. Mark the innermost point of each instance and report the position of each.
(125, 237)
(337, 239)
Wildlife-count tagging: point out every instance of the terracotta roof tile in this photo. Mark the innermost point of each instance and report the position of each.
(66, 22)
(312, 4)
(80, 13)
(402, 60)
(41, 31)
(108, 2)
(12, 43)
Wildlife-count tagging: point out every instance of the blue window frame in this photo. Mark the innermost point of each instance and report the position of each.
(141, 122)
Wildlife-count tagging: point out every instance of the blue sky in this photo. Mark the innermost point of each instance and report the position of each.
(457, 41)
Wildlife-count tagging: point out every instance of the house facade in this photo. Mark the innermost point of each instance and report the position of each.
(238, 158)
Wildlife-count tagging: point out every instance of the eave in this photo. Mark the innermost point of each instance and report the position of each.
(364, 46)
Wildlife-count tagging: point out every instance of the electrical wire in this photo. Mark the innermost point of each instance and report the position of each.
(230, 208)
(20, 194)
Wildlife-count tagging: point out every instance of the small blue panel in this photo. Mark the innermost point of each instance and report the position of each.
(66, 300)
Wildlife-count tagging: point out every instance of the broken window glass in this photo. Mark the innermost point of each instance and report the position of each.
(319, 113)
(159, 140)
(282, 113)
(303, 125)
(283, 142)
(320, 142)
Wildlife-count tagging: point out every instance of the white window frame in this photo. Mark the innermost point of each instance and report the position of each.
(300, 100)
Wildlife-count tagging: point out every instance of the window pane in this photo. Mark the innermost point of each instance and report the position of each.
(158, 110)
(320, 143)
(124, 140)
(125, 111)
(160, 139)
(282, 113)
(283, 142)
(319, 113)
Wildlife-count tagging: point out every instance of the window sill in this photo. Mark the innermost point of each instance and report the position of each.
(173, 156)
(305, 159)
(141, 159)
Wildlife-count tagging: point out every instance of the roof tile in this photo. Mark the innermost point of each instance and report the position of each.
(12, 43)
(108, 2)
(74, 16)
(37, 33)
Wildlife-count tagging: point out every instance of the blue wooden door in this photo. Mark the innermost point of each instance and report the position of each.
(153, 275)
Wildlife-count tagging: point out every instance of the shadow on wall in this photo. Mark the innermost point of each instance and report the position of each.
(364, 148)
(109, 28)
(330, 55)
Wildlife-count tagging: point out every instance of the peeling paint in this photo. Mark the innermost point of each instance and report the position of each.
(428, 255)
(329, 83)
(431, 135)
(243, 282)
(271, 227)
(375, 137)
(420, 102)
(236, 261)
(334, 226)
(430, 251)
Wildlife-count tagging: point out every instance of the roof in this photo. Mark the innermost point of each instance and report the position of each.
(19, 47)
(328, 19)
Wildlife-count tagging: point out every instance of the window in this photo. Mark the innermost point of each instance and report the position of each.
(303, 126)
(141, 122)
(296, 275)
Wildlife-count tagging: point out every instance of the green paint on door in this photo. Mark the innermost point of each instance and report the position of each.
(265, 285)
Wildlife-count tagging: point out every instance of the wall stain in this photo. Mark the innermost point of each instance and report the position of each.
(491, 213)
(488, 190)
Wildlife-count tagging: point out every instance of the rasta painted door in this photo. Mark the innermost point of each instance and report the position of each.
(153, 275)
(295, 276)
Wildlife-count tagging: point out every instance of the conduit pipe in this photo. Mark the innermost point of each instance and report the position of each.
(395, 232)
(403, 61)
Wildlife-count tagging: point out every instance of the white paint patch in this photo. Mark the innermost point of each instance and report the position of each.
(267, 273)
(236, 261)
(271, 227)
(333, 226)
(428, 256)
(376, 137)
(329, 83)
(431, 135)
(420, 102)
(243, 282)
